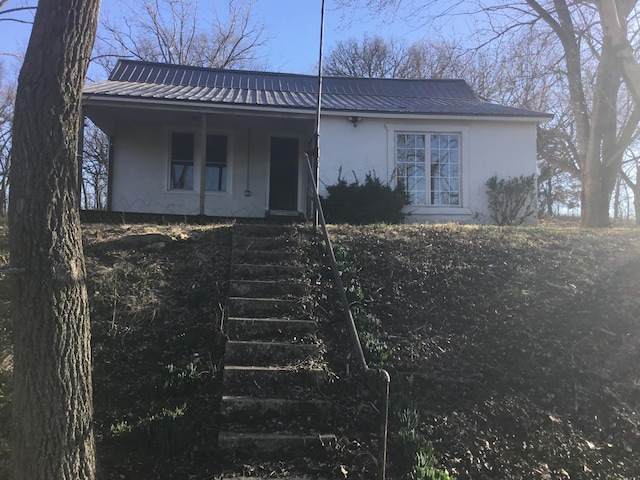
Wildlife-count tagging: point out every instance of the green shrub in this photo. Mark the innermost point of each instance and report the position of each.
(513, 200)
(182, 380)
(411, 451)
(162, 432)
(358, 204)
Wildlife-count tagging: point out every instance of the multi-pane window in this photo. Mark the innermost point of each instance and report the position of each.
(182, 159)
(428, 166)
(216, 168)
(183, 156)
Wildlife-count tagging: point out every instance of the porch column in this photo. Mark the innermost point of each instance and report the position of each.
(203, 159)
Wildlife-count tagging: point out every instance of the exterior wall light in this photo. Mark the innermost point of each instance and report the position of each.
(355, 120)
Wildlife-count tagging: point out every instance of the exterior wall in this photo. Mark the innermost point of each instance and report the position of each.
(140, 172)
(140, 167)
(505, 148)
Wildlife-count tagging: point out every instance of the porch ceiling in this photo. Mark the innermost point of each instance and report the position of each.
(109, 117)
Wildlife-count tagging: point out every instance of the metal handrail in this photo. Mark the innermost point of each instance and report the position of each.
(351, 326)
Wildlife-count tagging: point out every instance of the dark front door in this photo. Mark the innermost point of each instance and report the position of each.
(283, 177)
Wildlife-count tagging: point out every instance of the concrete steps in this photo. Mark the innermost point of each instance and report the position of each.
(258, 353)
(241, 288)
(274, 379)
(265, 307)
(269, 329)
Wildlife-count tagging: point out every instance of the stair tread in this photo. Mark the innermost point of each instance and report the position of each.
(272, 368)
(271, 319)
(264, 299)
(261, 282)
(226, 434)
(250, 398)
(275, 407)
(272, 344)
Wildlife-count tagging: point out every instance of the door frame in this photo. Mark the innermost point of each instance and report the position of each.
(298, 186)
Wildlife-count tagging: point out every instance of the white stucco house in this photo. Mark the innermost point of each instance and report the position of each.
(198, 141)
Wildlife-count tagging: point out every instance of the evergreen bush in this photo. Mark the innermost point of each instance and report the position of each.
(359, 204)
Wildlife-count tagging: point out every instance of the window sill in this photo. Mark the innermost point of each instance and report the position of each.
(437, 210)
(195, 192)
(181, 191)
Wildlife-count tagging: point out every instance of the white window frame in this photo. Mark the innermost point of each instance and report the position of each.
(199, 158)
(194, 165)
(227, 190)
(462, 131)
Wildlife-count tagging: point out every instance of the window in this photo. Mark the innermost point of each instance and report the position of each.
(182, 157)
(216, 168)
(428, 166)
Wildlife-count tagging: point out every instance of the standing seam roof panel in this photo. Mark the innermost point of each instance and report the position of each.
(170, 82)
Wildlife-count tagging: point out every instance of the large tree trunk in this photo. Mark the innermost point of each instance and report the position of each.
(615, 31)
(52, 399)
(600, 147)
(595, 198)
(636, 206)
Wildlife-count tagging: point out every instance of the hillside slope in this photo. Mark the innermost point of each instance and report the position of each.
(518, 347)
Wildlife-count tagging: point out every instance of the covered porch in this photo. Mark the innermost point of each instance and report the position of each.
(211, 160)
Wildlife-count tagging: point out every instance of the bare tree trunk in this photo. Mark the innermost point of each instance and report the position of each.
(613, 29)
(617, 210)
(52, 399)
(601, 152)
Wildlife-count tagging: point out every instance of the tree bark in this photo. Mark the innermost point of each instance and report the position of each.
(600, 148)
(612, 25)
(52, 401)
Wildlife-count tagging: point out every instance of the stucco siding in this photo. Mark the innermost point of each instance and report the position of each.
(141, 167)
(499, 148)
(486, 148)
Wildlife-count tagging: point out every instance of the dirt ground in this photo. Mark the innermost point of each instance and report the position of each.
(520, 348)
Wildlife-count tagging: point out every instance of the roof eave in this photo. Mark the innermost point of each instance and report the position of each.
(92, 99)
(537, 118)
(190, 106)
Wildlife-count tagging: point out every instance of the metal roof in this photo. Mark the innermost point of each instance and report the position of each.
(162, 82)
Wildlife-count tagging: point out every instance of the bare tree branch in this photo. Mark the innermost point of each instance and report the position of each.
(172, 31)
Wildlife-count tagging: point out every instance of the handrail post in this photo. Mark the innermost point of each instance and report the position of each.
(385, 380)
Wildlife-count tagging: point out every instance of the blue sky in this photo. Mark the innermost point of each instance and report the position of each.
(292, 25)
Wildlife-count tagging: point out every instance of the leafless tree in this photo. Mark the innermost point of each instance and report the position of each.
(168, 31)
(374, 57)
(95, 168)
(172, 31)
(629, 173)
(7, 95)
(52, 393)
(15, 14)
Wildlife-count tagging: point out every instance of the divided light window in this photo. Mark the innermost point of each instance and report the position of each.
(182, 158)
(428, 166)
(216, 168)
